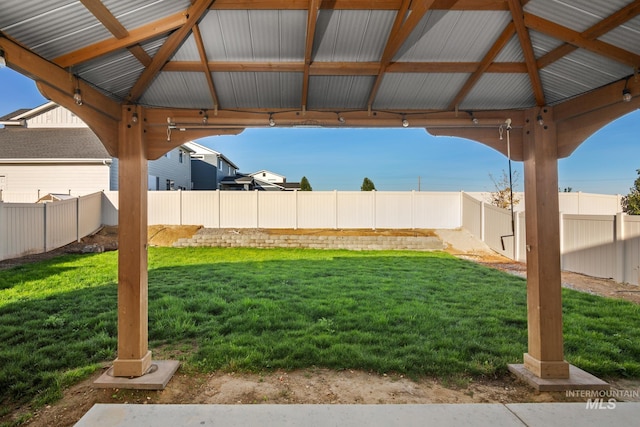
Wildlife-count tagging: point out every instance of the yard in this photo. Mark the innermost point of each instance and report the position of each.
(266, 311)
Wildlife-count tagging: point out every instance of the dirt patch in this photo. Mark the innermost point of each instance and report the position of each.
(167, 235)
(309, 386)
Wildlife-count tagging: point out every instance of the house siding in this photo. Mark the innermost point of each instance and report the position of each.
(79, 179)
(58, 117)
(167, 167)
(204, 172)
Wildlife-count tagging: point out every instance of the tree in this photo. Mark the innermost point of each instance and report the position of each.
(631, 202)
(501, 197)
(367, 185)
(304, 184)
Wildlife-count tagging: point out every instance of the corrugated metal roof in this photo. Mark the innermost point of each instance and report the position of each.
(261, 90)
(543, 44)
(254, 35)
(453, 36)
(57, 31)
(184, 90)
(625, 36)
(418, 91)
(577, 73)
(505, 90)
(133, 14)
(512, 52)
(57, 27)
(351, 35)
(575, 14)
(339, 92)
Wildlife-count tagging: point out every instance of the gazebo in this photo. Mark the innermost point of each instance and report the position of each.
(149, 75)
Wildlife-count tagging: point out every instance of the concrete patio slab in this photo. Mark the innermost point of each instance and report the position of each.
(489, 415)
(156, 378)
(578, 380)
(495, 415)
(576, 414)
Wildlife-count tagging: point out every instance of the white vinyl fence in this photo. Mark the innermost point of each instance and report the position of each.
(598, 245)
(606, 246)
(28, 228)
(298, 209)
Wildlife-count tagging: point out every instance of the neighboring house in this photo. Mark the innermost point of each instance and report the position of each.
(209, 167)
(50, 150)
(263, 180)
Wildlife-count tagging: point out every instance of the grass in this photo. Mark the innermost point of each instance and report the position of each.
(259, 309)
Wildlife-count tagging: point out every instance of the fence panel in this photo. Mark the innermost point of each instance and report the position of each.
(472, 215)
(61, 223)
(394, 209)
(521, 230)
(589, 245)
(201, 208)
(19, 196)
(632, 249)
(110, 207)
(355, 209)
(498, 230)
(238, 209)
(317, 209)
(277, 209)
(22, 229)
(164, 207)
(437, 210)
(90, 216)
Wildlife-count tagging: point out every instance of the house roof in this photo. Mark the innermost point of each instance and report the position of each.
(270, 57)
(260, 172)
(73, 143)
(201, 149)
(13, 115)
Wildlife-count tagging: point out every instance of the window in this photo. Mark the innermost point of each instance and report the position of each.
(170, 184)
(180, 156)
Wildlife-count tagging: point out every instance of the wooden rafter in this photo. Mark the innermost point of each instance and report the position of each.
(204, 65)
(394, 41)
(620, 17)
(517, 15)
(169, 47)
(312, 19)
(39, 69)
(138, 35)
(344, 68)
(500, 43)
(575, 38)
(111, 23)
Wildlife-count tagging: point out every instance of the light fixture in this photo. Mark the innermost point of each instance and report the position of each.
(340, 118)
(474, 120)
(405, 122)
(3, 61)
(272, 122)
(540, 119)
(77, 96)
(626, 93)
(205, 119)
(134, 117)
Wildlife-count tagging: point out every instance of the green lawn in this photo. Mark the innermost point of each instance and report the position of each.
(258, 309)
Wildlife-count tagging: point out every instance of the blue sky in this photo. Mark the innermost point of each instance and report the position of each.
(394, 159)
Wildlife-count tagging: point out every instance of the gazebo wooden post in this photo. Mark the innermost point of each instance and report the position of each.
(545, 356)
(134, 358)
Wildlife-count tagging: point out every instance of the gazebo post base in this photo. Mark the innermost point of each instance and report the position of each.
(156, 378)
(577, 380)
